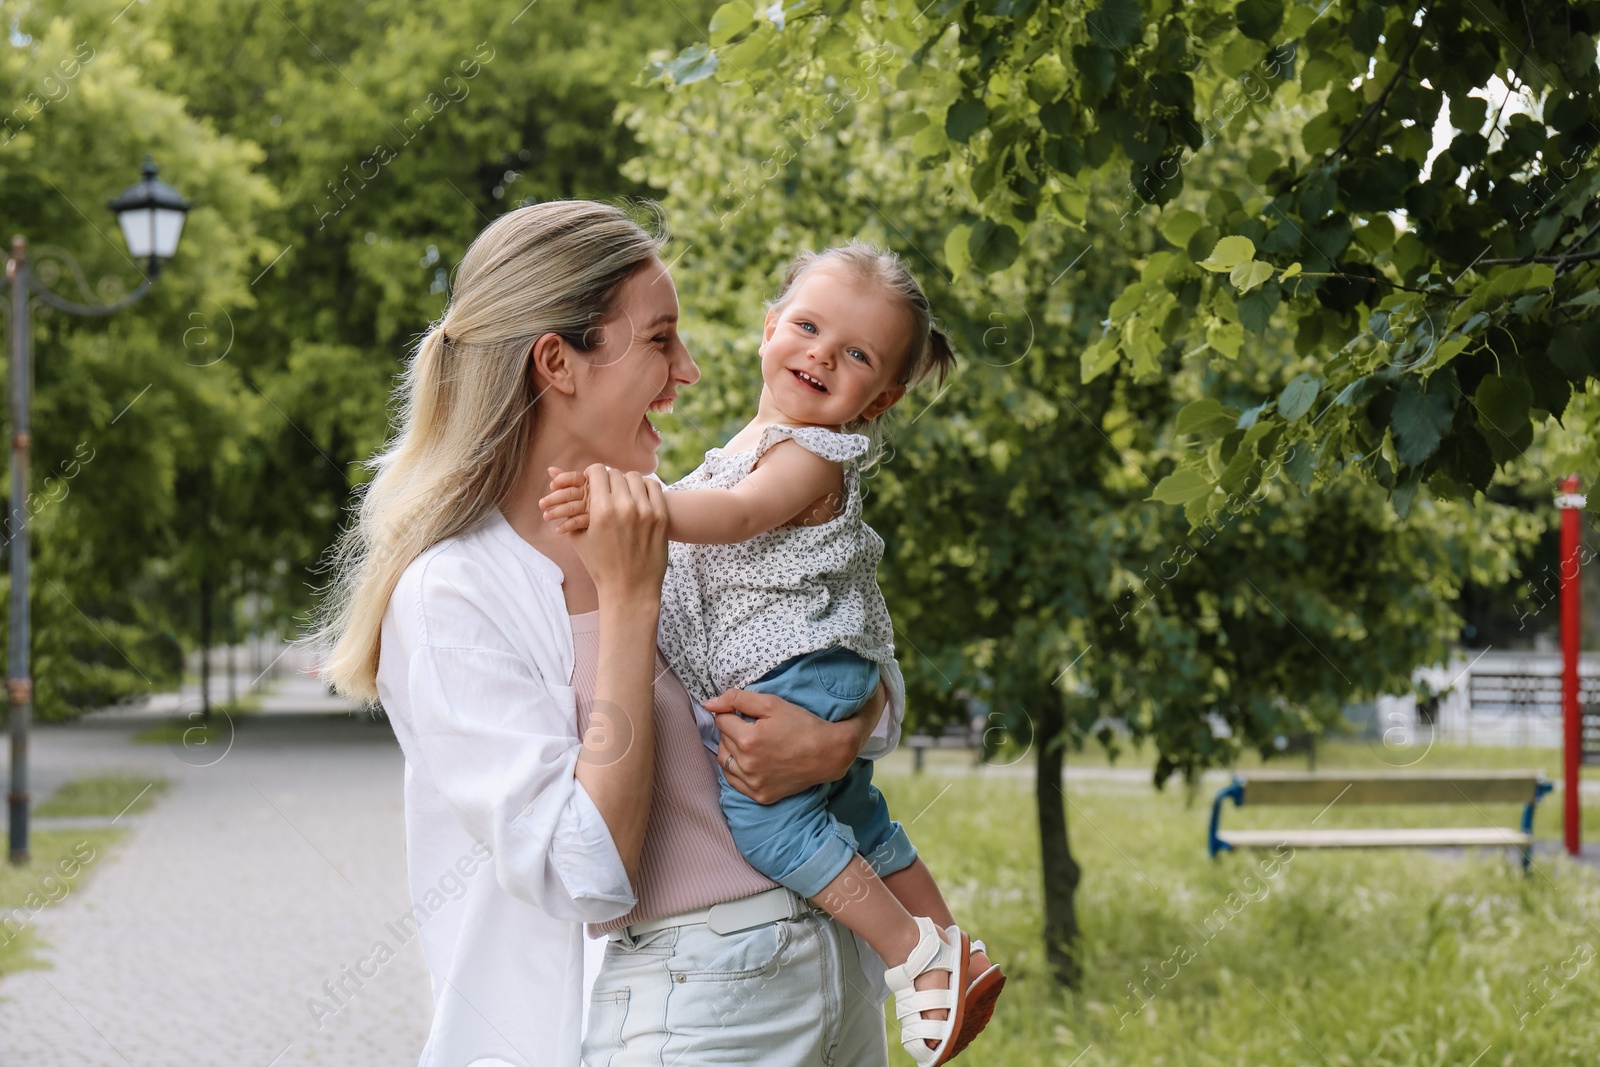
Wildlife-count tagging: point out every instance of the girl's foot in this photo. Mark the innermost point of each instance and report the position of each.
(982, 992)
(928, 1040)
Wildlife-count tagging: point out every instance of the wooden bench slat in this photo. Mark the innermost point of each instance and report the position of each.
(1487, 787)
(1488, 836)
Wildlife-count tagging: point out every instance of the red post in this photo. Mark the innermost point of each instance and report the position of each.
(1571, 504)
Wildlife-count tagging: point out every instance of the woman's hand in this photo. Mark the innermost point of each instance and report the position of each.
(618, 524)
(786, 750)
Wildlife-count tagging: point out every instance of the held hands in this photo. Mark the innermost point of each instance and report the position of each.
(618, 523)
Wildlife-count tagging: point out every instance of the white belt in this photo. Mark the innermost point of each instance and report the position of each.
(731, 917)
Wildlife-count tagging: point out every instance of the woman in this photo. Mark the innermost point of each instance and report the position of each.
(555, 773)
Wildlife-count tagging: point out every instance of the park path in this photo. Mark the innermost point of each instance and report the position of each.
(271, 866)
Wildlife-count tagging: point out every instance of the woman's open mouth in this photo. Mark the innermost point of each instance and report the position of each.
(660, 407)
(807, 379)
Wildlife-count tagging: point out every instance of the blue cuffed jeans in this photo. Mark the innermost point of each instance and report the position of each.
(805, 841)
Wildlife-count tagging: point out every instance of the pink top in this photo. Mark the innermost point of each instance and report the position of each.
(689, 859)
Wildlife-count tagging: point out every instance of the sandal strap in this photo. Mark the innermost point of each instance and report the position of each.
(979, 946)
(921, 1000)
(923, 1030)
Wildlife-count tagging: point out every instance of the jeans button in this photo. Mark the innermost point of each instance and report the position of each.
(680, 977)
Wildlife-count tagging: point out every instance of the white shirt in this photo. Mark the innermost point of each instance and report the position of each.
(507, 855)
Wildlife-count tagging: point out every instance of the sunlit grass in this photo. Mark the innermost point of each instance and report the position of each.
(108, 794)
(1341, 957)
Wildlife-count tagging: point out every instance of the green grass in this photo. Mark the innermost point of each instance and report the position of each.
(109, 794)
(60, 861)
(1341, 958)
(1341, 754)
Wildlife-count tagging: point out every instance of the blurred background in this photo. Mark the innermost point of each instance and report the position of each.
(1274, 320)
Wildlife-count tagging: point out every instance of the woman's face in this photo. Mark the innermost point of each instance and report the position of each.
(635, 369)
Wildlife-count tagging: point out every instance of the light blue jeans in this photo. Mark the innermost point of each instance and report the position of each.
(787, 994)
(805, 841)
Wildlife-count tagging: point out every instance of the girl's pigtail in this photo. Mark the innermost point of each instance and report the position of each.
(941, 357)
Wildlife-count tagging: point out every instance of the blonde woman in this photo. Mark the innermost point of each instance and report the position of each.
(555, 770)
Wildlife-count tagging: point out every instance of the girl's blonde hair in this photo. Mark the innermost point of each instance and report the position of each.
(929, 353)
(467, 404)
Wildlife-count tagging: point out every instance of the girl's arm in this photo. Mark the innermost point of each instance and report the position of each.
(789, 484)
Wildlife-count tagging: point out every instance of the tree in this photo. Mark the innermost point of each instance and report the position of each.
(120, 417)
(1026, 568)
(1451, 297)
(340, 158)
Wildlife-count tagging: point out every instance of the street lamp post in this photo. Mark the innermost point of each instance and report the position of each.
(151, 215)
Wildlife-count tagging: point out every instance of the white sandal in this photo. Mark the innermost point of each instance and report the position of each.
(933, 953)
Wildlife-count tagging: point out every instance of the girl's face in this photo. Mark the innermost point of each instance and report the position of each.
(833, 352)
(636, 368)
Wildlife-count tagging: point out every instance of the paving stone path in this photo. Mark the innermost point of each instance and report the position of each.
(214, 931)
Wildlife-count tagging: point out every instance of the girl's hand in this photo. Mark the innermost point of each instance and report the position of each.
(786, 750)
(623, 538)
(567, 502)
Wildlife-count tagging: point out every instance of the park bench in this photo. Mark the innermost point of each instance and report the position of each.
(1324, 789)
(954, 736)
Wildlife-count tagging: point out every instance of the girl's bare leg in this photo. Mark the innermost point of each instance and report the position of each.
(916, 890)
(862, 901)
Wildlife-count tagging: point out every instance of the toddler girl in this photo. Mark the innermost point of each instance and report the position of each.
(771, 587)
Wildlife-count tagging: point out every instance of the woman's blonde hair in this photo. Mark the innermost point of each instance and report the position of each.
(467, 402)
(929, 353)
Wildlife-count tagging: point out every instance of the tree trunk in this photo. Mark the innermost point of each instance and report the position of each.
(205, 648)
(1061, 873)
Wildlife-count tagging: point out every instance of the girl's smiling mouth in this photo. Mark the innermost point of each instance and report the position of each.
(809, 380)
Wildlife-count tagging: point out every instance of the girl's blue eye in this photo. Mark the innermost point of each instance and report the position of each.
(808, 327)
(858, 354)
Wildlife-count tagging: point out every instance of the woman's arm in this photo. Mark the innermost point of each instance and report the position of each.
(625, 551)
(787, 749)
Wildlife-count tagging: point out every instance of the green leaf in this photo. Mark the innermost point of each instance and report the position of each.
(695, 63)
(965, 118)
(1322, 133)
(993, 246)
(909, 123)
(1182, 486)
(1297, 397)
(1503, 402)
(1229, 253)
(1205, 416)
(956, 256)
(1115, 23)
(729, 21)
(1259, 18)
(929, 142)
(1100, 357)
(1249, 274)
(1419, 422)
(1289, 272)
(1179, 226)
(1575, 349)
(1226, 338)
